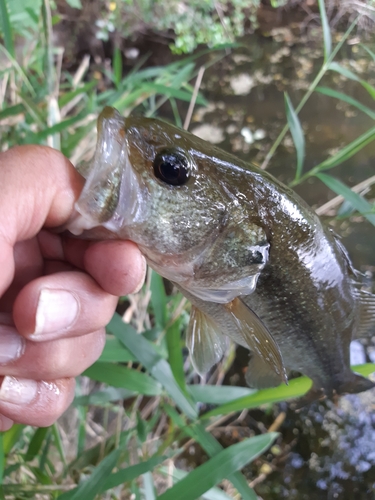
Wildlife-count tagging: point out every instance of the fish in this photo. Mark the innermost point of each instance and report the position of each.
(254, 260)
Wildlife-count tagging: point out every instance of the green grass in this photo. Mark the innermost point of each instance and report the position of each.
(142, 387)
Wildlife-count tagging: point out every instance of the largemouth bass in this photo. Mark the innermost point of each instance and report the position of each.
(254, 260)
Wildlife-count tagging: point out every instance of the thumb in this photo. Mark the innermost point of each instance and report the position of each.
(38, 188)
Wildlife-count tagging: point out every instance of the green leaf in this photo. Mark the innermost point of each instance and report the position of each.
(365, 369)
(218, 394)
(158, 299)
(357, 201)
(59, 127)
(101, 398)
(76, 4)
(130, 473)
(175, 358)
(212, 447)
(148, 486)
(17, 109)
(124, 377)
(11, 437)
(372, 54)
(168, 91)
(345, 98)
(114, 351)
(36, 443)
(7, 28)
(344, 154)
(211, 494)
(326, 30)
(92, 486)
(297, 134)
(117, 66)
(334, 66)
(2, 458)
(150, 359)
(218, 468)
(297, 387)
(58, 443)
(69, 96)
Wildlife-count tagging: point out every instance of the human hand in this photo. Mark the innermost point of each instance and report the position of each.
(56, 293)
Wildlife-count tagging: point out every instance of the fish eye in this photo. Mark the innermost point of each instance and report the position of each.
(172, 167)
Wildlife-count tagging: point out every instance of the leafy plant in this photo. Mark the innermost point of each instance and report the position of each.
(346, 152)
(193, 23)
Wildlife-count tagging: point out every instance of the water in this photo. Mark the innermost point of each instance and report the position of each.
(327, 451)
(268, 67)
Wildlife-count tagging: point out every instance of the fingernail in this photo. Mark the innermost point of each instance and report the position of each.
(19, 391)
(140, 284)
(57, 310)
(11, 345)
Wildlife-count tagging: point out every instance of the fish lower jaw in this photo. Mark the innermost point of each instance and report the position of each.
(169, 267)
(78, 223)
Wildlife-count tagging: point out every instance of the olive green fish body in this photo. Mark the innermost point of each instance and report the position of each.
(253, 258)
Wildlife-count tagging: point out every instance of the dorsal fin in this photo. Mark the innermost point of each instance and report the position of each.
(366, 327)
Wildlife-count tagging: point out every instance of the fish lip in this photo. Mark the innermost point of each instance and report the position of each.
(112, 194)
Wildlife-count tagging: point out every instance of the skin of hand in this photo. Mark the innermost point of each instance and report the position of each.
(56, 293)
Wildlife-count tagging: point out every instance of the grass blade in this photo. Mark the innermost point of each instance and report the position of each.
(36, 443)
(211, 494)
(17, 109)
(123, 377)
(11, 437)
(212, 447)
(326, 30)
(158, 299)
(169, 91)
(58, 443)
(218, 394)
(334, 66)
(296, 388)
(2, 458)
(369, 51)
(7, 28)
(217, 468)
(130, 473)
(115, 352)
(357, 201)
(92, 486)
(101, 398)
(346, 98)
(310, 90)
(148, 486)
(150, 359)
(117, 66)
(175, 358)
(297, 134)
(344, 154)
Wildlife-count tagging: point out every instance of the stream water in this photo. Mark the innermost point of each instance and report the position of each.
(327, 451)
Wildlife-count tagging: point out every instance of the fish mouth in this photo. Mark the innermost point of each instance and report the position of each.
(112, 193)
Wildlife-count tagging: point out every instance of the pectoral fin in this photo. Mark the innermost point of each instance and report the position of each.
(257, 337)
(205, 341)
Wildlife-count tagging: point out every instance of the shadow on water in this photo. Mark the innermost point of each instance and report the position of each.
(327, 451)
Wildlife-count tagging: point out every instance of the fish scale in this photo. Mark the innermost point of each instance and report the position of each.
(252, 257)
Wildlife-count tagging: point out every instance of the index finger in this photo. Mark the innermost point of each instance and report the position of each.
(38, 187)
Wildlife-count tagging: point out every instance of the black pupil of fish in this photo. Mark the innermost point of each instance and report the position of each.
(171, 168)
